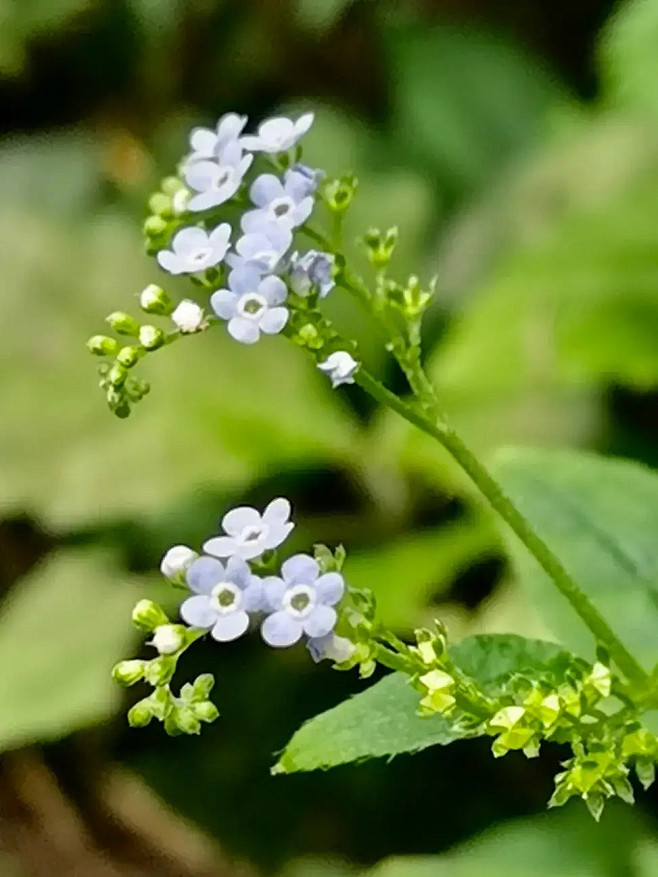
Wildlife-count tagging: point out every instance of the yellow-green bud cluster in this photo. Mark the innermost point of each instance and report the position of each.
(179, 715)
(380, 246)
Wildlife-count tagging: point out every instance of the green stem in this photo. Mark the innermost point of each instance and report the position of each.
(390, 659)
(444, 434)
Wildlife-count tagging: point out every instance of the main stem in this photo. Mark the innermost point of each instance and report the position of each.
(438, 429)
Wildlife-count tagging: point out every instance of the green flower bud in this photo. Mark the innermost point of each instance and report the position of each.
(205, 711)
(159, 671)
(129, 356)
(141, 714)
(128, 672)
(202, 686)
(160, 205)
(117, 375)
(646, 771)
(339, 194)
(169, 638)
(148, 615)
(151, 337)
(102, 345)
(171, 185)
(155, 226)
(123, 323)
(379, 246)
(186, 720)
(595, 805)
(154, 300)
(161, 703)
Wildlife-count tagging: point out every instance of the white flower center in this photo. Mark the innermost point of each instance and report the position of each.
(251, 305)
(299, 601)
(200, 256)
(226, 598)
(280, 208)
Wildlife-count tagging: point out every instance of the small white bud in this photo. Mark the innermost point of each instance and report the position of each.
(175, 563)
(167, 638)
(340, 367)
(180, 200)
(188, 316)
(154, 300)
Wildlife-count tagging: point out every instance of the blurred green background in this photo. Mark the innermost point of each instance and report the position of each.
(516, 146)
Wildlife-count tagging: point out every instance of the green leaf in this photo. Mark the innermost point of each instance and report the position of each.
(63, 627)
(599, 517)
(382, 720)
(629, 59)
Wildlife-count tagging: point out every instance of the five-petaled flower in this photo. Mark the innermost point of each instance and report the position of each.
(215, 182)
(287, 203)
(209, 144)
(249, 534)
(301, 602)
(193, 250)
(262, 250)
(252, 304)
(278, 135)
(224, 597)
(340, 367)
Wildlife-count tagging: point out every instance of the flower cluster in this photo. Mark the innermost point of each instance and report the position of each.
(229, 222)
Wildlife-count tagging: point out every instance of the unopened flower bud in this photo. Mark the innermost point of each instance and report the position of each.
(202, 686)
(154, 300)
(180, 200)
(188, 316)
(186, 721)
(140, 715)
(205, 711)
(160, 204)
(148, 615)
(155, 226)
(128, 672)
(151, 337)
(102, 345)
(160, 670)
(175, 563)
(129, 356)
(171, 185)
(123, 323)
(168, 638)
(117, 375)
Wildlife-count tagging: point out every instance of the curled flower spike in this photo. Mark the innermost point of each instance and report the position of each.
(251, 305)
(278, 135)
(287, 204)
(340, 367)
(209, 144)
(224, 597)
(312, 269)
(249, 534)
(301, 601)
(217, 182)
(262, 250)
(193, 250)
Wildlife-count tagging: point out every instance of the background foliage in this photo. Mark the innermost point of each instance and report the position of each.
(516, 146)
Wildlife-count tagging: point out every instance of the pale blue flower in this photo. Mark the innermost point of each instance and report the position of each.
(224, 597)
(216, 182)
(312, 269)
(249, 534)
(278, 135)
(252, 304)
(287, 204)
(209, 144)
(330, 647)
(193, 250)
(312, 177)
(262, 250)
(301, 602)
(340, 367)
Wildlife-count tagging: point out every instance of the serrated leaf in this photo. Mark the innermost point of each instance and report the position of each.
(382, 720)
(62, 629)
(599, 516)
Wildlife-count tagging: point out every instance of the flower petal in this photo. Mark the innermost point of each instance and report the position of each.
(320, 622)
(278, 510)
(188, 240)
(303, 124)
(300, 569)
(303, 210)
(229, 627)
(278, 129)
(220, 546)
(330, 588)
(244, 331)
(273, 290)
(223, 303)
(236, 520)
(204, 573)
(252, 596)
(273, 590)
(280, 630)
(170, 262)
(204, 201)
(273, 320)
(244, 278)
(203, 140)
(198, 612)
(219, 239)
(277, 534)
(238, 572)
(264, 189)
(201, 175)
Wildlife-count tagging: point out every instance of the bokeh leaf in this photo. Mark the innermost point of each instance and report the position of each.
(628, 57)
(599, 517)
(383, 721)
(62, 629)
